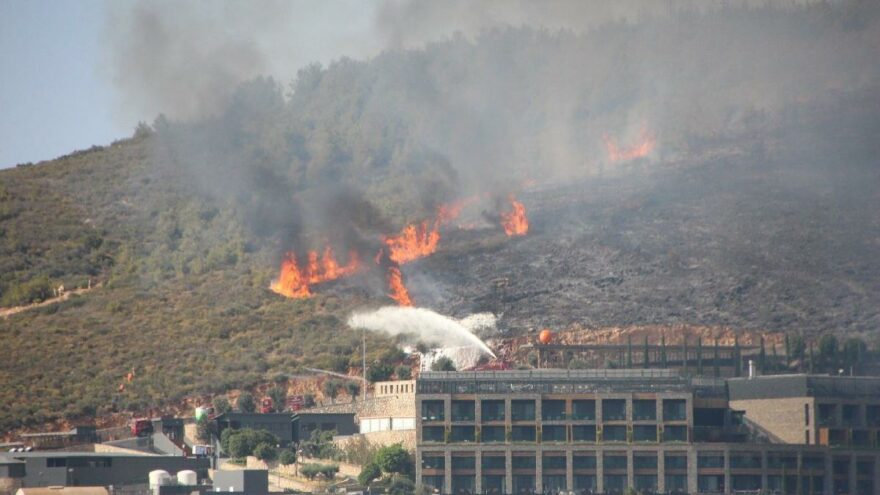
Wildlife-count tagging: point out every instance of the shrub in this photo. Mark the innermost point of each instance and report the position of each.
(368, 473)
(241, 443)
(443, 363)
(401, 485)
(222, 405)
(403, 372)
(379, 372)
(246, 403)
(394, 459)
(279, 398)
(287, 457)
(312, 470)
(265, 452)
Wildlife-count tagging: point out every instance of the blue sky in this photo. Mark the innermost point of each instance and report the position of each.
(53, 97)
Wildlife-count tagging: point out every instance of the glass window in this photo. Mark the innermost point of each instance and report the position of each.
(463, 410)
(434, 482)
(745, 460)
(583, 433)
(53, 462)
(553, 410)
(463, 483)
(553, 462)
(553, 433)
(644, 410)
(463, 462)
(615, 483)
(583, 461)
(492, 434)
(493, 462)
(645, 461)
(614, 461)
(492, 410)
(613, 410)
(433, 461)
(813, 463)
(710, 483)
(585, 482)
(462, 434)
(432, 410)
(672, 461)
(522, 433)
(583, 410)
(522, 410)
(713, 460)
(676, 483)
(553, 483)
(674, 410)
(523, 483)
(433, 434)
(645, 483)
(614, 433)
(493, 483)
(779, 460)
(675, 433)
(523, 462)
(645, 433)
(745, 482)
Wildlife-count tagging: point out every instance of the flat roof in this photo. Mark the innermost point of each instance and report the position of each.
(802, 385)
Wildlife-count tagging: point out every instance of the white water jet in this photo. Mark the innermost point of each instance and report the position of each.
(423, 323)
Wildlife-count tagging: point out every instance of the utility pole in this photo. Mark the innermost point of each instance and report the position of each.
(364, 330)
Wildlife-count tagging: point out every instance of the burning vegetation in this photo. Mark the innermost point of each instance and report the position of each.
(515, 221)
(640, 149)
(295, 282)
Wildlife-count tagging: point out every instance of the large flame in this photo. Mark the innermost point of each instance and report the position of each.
(399, 291)
(294, 281)
(515, 221)
(641, 149)
(420, 239)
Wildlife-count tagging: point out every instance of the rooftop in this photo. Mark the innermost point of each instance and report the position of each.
(781, 386)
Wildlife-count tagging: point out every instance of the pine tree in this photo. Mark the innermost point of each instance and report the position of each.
(645, 357)
(699, 356)
(629, 352)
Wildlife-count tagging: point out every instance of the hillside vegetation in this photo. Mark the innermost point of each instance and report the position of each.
(184, 224)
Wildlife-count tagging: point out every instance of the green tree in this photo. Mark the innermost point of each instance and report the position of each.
(394, 459)
(203, 429)
(645, 354)
(854, 349)
(353, 388)
(279, 398)
(287, 457)
(828, 349)
(368, 473)
(401, 485)
(265, 452)
(403, 372)
(308, 400)
(245, 403)
(443, 363)
(379, 372)
(222, 405)
(331, 389)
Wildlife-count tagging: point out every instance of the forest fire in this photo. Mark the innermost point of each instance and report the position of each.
(419, 240)
(295, 282)
(639, 150)
(399, 291)
(515, 221)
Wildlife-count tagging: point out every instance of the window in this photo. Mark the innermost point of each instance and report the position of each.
(872, 414)
(492, 434)
(826, 414)
(675, 433)
(745, 482)
(745, 460)
(553, 462)
(674, 410)
(850, 414)
(433, 434)
(553, 410)
(463, 483)
(615, 483)
(779, 460)
(462, 434)
(523, 483)
(840, 466)
(553, 483)
(614, 433)
(583, 433)
(645, 483)
(523, 462)
(645, 462)
(522, 433)
(585, 482)
(464, 462)
(713, 460)
(434, 461)
(644, 433)
(434, 482)
(553, 433)
(614, 461)
(432, 410)
(813, 463)
(492, 410)
(583, 410)
(583, 461)
(522, 410)
(713, 483)
(493, 483)
(644, 410)
(672, 461)
(493, 462)
(53, 462)
(806, 415)
(865, 467)
(613, 410)
(676, 483)
(782, 484)
(462, 410)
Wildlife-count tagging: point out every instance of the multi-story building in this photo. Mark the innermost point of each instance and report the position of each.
(609, 430)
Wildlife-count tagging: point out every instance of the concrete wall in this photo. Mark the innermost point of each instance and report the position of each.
(784, 418)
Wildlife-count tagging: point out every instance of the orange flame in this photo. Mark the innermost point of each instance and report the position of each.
(639, 150)
(295, 282)
(398, 291)
(419, 240)
(515, 222)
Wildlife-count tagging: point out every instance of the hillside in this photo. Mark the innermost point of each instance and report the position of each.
(755, 209)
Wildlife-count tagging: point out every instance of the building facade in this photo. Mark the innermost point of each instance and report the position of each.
(605, 431)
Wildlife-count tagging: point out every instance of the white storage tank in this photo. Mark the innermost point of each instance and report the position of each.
(158, 478)
(187, 478)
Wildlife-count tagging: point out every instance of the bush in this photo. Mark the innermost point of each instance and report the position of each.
(265, 452)
(353, 388)
(287, 457)
(241, 443)
(279, 398)
(401, 485)
(312, 470)
(394, 459)
(359, 450)
(203, 429)
(369, 472)
(222, 405)
(443, 363)
(246, 403)
(379, 372)
(403, 372)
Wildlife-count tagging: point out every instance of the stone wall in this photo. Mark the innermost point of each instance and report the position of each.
(781, 417)
(376, 407)
(8, 486)
(405, 437)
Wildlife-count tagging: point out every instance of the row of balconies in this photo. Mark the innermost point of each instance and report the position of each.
(555, 410)
(555, 434)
